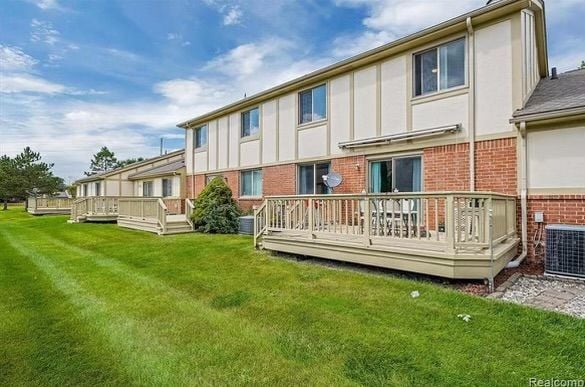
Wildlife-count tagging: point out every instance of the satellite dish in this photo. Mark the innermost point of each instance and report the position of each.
(332, 179)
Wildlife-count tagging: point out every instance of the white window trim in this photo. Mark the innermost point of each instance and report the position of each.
(396, 157)
(314, 164)
(439, 90)
(251, 135)
(299, 115)
(242, 196)
(204, 146)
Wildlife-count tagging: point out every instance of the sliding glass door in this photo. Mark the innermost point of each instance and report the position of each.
(398, 174)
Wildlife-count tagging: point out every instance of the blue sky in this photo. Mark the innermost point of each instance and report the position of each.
(77, 75)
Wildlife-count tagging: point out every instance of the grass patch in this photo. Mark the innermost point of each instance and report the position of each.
(86, 304)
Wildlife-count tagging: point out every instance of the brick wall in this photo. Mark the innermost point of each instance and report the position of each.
(353, 171)
(496, 166)
(279, 180)
(446, 168)
(563, 209)
(194, 185)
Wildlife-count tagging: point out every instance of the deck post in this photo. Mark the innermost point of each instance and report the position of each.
(367, 222)
(311, 218)
(450, 224)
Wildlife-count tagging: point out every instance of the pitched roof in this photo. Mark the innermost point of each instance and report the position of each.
(166, 169)
(101, 175)
(553, 95)
(446, 28)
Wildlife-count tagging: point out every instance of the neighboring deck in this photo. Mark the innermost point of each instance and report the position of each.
(47, 206)
(453, 235)
(163, 217)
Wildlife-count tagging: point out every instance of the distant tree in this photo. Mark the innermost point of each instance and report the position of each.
(25, 173)
(124, 163)
(103, 161)
(582, 65)
(71, 190)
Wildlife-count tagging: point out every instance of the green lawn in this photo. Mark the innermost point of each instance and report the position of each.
(96, 304)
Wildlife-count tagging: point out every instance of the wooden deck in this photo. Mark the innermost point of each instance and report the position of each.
(453, 235)
(139, 213)
(49, 206)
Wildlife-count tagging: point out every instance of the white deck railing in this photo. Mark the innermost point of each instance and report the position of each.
(144, 208)
(49, 203)
(459, 220)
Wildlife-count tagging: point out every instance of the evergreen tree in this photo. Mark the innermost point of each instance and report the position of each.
(103, 161)
(20, 175)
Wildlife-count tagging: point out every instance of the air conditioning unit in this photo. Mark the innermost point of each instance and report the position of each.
(565, 250)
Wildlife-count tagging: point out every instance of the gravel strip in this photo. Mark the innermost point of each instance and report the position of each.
(560, 295)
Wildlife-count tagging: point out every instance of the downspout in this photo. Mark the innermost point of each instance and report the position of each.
(523, 199)
(192, 162)
(471, 67)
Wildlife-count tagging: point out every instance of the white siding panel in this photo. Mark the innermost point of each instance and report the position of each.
(212, 145)
(339, 114)
(286, 127)
(393, 93)
(365, 103)
(201, 162)
(250, 153)
(234, 140)
(313, 142)
(555, 158)
(441, 112)
(223, 142)
(269, 132)
(189, 150)
(494, 105)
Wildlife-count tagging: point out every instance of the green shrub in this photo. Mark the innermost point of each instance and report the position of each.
(215, 210)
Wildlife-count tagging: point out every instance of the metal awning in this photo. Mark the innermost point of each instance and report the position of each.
(382, 140)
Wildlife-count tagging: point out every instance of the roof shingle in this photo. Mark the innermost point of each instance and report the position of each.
(566, 92)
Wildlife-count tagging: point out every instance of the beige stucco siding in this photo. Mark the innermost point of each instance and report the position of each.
(556, 159)
(339, 115)
(269, 132)
(223, 138)
(286, 127)
(441, 112)
(212, 145)
(394, 97)
(234, 141)
(494, 78)
(250, 153)
(313, 142)
(365, 103)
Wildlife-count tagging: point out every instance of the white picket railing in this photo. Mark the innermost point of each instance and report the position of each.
(144, 208)
(49, 203)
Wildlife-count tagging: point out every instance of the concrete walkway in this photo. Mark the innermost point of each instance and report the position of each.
(551, 293)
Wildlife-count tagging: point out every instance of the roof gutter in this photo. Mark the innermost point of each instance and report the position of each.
(552, 115)
(383, 140)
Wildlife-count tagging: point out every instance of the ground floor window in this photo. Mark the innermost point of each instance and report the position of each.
(167, 187)
(84, 190)
(310, 179)
(397, 174)
(251, 183)
(98, 188)
(148, 189)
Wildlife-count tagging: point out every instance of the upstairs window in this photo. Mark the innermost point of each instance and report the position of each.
(201, 136)
(312, 104)
(440, 68)
(250, 122)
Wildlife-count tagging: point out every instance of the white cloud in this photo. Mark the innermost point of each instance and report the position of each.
(43, 32)
(29, 84)
(14, 59)
(232, 13)
(47, 4)
(233, 16)
(388, 20)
